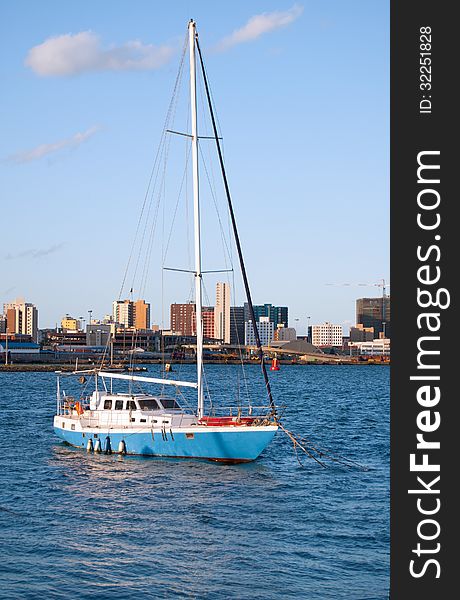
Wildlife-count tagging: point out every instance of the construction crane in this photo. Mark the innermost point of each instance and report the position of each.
(383, 285)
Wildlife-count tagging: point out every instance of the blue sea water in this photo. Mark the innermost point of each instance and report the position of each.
(78, 525)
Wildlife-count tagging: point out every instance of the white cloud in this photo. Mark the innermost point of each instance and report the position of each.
(71, 54)
(260, 24)
(46, 149)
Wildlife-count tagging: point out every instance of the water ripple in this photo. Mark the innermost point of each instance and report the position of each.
(74, 525)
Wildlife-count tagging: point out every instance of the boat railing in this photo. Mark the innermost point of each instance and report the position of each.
(129, 420)
(107, 419)
(239, 411)
(71, 405)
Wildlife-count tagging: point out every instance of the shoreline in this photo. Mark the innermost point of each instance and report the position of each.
(51, 367)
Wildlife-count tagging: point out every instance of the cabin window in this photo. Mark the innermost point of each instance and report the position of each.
(118, 404)
(72, 427)
(108, 404)
(149, 404)
(133, 420)
(143, 420)
(130, 405)
(190, 436)
(169, 403)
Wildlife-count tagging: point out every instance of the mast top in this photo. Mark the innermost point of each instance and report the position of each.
(192, 25)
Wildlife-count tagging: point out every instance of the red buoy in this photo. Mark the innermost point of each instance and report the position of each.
(275, 365)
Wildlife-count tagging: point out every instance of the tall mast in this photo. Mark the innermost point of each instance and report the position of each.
(196, 215)
(237, 240)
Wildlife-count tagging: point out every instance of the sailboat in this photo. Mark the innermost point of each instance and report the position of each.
(154, 424)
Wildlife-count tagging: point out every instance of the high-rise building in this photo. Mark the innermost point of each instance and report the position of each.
(123, 312)
(237, 325)
(183, 319)
(21, 317)
(141, 315)
(222, 313)
(278, 315)
(327, 334)
(132, 314)
(376, 313)
(207, 315)
(265, 328)
(69, 323)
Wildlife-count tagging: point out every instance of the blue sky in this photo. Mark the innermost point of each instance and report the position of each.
(302, 93)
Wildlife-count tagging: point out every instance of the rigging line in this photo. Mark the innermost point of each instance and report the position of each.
(150, 244)
(206, 385)
(212, 182)
(162, 150)
(217, 210)
(166, 147)
(105, 351)
(162, 338)
(213, 188)
(219, 128)
(177, 206)
(226, 247)
(145, 272)
(240, 353)
(133, 336)
(141, 244)
(206, 298)
(211, 163)
(163, 195)
(208, 149)
(237, 240)
(156, 160)
(187, 220)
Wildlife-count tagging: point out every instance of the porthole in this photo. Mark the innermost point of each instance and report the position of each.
(190, 436)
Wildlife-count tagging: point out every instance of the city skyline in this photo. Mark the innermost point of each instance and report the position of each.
(373, 319)
(77, 165)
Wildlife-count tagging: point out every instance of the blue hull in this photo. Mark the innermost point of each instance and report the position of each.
(237, 445)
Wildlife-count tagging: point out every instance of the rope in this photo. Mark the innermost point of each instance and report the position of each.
(317, 453)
